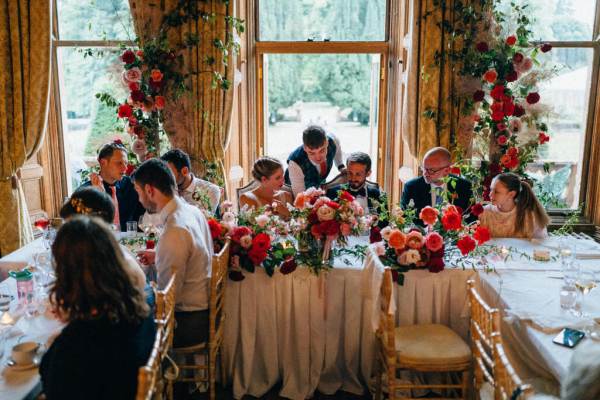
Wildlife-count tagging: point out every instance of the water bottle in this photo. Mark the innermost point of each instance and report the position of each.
(24, 280)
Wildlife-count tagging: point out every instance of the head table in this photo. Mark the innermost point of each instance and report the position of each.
(308, 332)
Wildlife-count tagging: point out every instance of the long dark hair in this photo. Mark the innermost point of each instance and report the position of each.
(91, 278)
(529, 208)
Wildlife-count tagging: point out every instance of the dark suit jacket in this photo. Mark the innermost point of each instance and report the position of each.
(419, 192)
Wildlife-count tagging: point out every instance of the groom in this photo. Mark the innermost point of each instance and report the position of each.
(427, 190)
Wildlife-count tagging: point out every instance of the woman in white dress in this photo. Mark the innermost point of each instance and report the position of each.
(515, 211)
(268, 172)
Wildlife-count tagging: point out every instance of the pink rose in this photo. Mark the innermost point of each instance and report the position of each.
(346, 229)
(132, 75)
(139, 147)
(379, 248)
(434, 241)
(502, 140)
(414, 240)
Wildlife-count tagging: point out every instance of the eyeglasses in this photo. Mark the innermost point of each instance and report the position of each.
(432, 171)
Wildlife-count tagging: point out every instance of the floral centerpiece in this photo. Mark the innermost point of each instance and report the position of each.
(318, 222)
(445, 235)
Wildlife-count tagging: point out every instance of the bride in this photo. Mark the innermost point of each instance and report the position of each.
(515, 211)
(268, 172)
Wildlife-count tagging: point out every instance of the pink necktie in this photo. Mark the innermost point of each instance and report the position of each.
(323, 168)
(117, 220)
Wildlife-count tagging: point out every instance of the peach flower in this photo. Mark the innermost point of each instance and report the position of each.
(429, 215)
(397, 239)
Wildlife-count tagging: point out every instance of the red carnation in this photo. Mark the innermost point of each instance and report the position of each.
(215, 228)
(482, 235)
(482, 47)
(451, 221)
(479, 95)
(466, 245)
(511, 40)
(546, 47)
(497, 116)
(137, 95)
(261, 242)
(257, 256)
(497, 92)
(128, 57)
(518, 58)
(124, 111)
(519, 111)
(533, 97)
(435, 264)
(288, 266)
(543, 138)
(476, 209)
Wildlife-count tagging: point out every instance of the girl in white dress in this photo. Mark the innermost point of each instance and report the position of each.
(515, 211)
(268, 172)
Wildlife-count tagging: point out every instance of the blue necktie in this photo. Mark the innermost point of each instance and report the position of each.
(438, 196)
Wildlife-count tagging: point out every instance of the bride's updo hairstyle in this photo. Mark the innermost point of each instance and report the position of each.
(265, 167)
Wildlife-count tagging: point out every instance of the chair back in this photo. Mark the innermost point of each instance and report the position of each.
(339, 179)
(165, 313)
(385, 332)
(485, 322)
(508, 384)
(253, 184)
(148, 385)
(220, 263)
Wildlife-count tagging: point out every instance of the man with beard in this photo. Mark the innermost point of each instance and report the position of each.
(112, 180)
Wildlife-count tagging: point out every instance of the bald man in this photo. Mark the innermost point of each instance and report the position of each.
(426, 190)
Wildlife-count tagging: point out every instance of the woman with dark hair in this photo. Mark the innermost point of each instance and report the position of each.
(515, 211)
(108, 335)
(268, 172)
(92, 202)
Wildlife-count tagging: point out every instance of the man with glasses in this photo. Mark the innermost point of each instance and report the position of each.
(428, 189)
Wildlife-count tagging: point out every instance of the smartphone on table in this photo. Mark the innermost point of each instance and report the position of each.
(569, 337)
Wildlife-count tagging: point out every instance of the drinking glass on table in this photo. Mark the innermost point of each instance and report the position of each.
(132, 227)
(585, 283)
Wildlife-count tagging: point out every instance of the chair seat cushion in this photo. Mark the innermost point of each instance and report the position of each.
(432, 347)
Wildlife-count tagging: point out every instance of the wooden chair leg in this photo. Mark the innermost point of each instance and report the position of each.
(378, 384)
(466, 378)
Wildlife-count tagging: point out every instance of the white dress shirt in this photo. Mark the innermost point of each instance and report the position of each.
(185, 247)
(297, 175)
(212, 191)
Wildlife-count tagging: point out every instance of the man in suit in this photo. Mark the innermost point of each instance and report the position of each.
(367, 194)
(428, 189)
(112, 180)
(309, 164)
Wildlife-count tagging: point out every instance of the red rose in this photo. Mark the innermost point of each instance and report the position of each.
(240, 231)
(344, 195)
(128, 57)
(315, 230)
(482, 47)
(435, 264)
(451, 221)
(288, 266)
(375, 235)
(497, 92)
(261, 242)
(490, 76)
(150, 243)
(543, 138)
(497, 116)
(159, 102)
(482, 235)
(134, 86)
(512, 76)
(533, 97)
(215, 228)
(513, 152)
(509, 108)
(479, 95)
(434, 241)
(129, 170)
(257, 256)
(513, 163)
(501, 140)
(518, 58)
(330, 228)
(511, 40)
(546, 47)
(137, 96)
(476, 209)
(519, 111)
(124, 111)
(501, 126)
(466, 245)
(496, 106)
(236, 276)
(455, 170)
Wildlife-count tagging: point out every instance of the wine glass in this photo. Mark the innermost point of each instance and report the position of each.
(585, 283)
(48, 237)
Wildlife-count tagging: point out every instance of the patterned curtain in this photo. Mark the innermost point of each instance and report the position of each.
(24, 87)
(199, 121)
(431, 118)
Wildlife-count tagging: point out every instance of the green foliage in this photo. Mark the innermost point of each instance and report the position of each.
(549, 190)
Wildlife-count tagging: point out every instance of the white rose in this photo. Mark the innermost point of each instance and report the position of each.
(409, 257)
(228, 217)
(246, 241)
(262, 220)
(139, 147)
(385, 233)
(325, 213)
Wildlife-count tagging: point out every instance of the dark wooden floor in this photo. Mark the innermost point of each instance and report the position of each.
(273, 395)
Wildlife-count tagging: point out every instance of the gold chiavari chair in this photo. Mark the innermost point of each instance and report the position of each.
(485, 322)
(149, 376)
(165, 313)
(508, 384)
(206, 373)
(420, 348)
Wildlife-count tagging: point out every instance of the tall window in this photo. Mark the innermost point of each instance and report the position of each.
(571, 27)
(320, 62)
(86, 53)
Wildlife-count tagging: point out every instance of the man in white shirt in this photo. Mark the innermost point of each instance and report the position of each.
(310, 164)
(184, 247)
(207, 194)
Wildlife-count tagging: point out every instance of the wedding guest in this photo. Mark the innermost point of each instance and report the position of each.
(515, 211)
(108, 335)
(367, 194)
(188, 184)
(310, 163)
(184, 248)
(268, 172)
(428, 189)
(92, 202)
(111, 179)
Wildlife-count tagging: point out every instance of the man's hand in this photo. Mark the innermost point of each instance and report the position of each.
(343, 170)
(146, 257)
(96, 181)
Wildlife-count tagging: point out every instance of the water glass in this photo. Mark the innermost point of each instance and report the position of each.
(570, 270)
(132, 227)
(569, 298)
